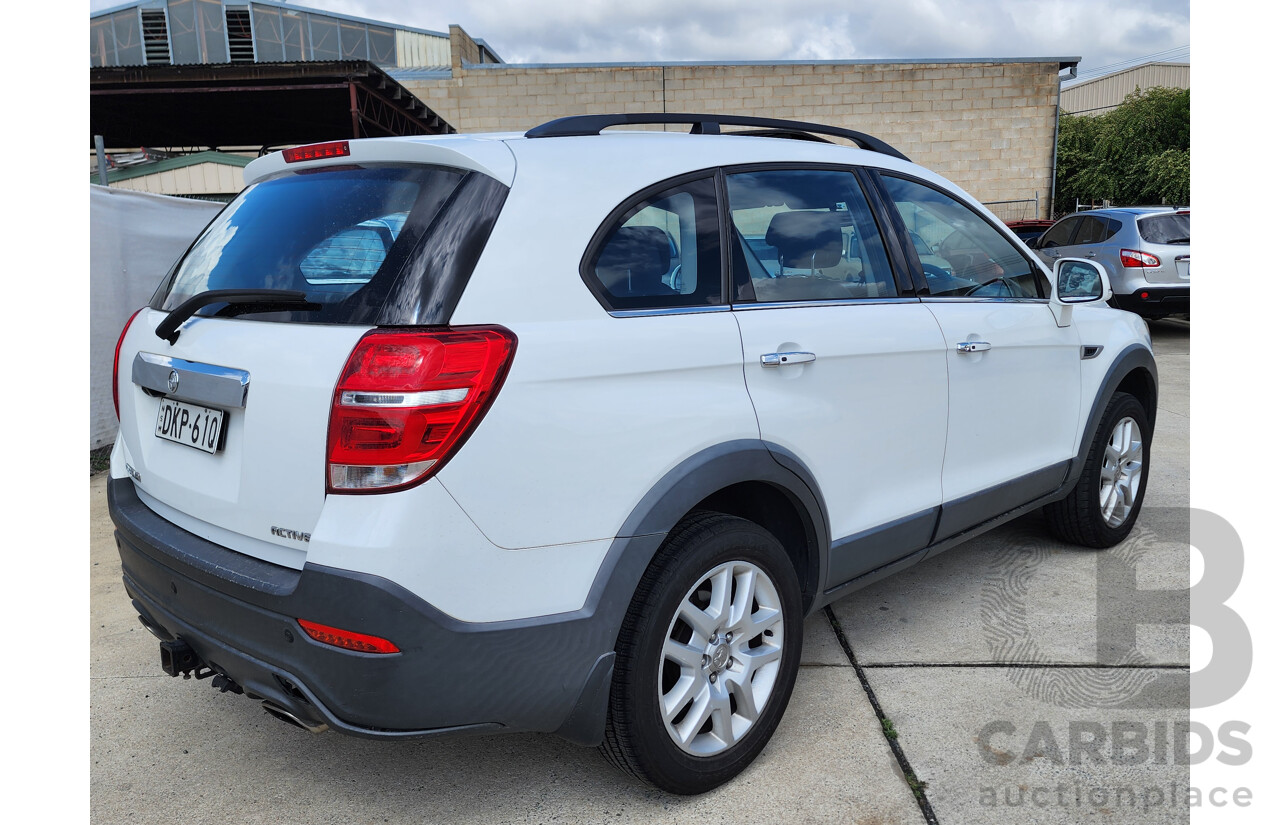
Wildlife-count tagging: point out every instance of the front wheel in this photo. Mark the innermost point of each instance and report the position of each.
(707, 656)
(1104, 504)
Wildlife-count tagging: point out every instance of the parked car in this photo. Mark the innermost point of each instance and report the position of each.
(1145, 250)
(422, 436)
(1028, 230)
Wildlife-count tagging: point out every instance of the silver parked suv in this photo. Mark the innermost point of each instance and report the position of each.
(1145, 250)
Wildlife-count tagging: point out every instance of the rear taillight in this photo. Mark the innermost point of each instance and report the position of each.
(115, 365)
(408, 399)
(1132, 257)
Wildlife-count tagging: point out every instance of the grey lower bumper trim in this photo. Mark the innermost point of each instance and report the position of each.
(240, 616)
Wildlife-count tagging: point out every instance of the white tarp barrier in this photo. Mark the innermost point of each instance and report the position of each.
(134, 237)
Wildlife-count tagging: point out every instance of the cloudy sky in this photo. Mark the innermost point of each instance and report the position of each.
(1102, 32)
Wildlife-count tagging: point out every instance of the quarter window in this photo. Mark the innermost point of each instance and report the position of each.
(1094, 229)
(663, 252)
(805, 235)
(969, 258)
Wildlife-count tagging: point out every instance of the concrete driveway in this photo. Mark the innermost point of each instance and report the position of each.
(981, 686)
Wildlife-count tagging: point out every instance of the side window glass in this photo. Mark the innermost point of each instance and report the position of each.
(806, 235)
(1059, 234)
(970, 257)
(1092, 230)
(663, 252)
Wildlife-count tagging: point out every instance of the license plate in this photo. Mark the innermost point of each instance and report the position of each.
(188, 424)
(1184, 269)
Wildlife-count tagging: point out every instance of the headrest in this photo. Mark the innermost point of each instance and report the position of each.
(644, 250)
(806, 239)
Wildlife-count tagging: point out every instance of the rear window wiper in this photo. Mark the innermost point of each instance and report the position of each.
(238, 302)
(1179, 240)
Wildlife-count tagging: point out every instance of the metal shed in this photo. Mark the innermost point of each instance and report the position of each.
(1102, 94)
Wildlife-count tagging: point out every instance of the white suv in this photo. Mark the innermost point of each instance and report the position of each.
(569, 431)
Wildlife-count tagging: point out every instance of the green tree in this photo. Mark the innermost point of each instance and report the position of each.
(1138, 153)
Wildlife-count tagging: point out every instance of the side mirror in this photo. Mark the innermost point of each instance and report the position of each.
(1077, 281)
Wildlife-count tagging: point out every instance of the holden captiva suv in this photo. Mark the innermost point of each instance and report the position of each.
(568, 431)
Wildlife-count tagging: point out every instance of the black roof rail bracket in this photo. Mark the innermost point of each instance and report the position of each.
(704, 124)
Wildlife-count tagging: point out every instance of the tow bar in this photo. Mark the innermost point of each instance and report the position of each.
(177, 658)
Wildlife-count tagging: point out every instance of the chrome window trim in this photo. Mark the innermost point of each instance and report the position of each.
(207, 384)
(940, 299)
(849, 302)
(641, 313)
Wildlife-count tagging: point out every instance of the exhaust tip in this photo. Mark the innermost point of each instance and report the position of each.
(287, 716)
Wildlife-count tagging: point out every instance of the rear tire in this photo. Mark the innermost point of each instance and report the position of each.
(1104, 505)
(707, 656)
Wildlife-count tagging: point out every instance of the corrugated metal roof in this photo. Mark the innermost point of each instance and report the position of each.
(142, 169)
(1100, 78)
(1102, 94)
(291, 7)
(421, 73)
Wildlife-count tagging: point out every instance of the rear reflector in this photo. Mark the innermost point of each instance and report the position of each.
(1132, 257)
(318, 151)
(408, 399)
(115, 364)
(346, 639)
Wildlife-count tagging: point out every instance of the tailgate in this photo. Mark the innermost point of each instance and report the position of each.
(1168, 237)
(258, 484)
(1175, 265)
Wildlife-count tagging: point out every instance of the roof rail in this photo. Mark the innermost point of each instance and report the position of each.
(579, 125)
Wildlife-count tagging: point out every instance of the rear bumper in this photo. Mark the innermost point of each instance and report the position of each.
(240, 615)
(1158, 301)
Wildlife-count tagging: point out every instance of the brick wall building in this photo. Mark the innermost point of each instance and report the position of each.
(989, 125)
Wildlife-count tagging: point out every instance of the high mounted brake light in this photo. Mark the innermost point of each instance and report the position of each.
(408, 399)
(318, 151)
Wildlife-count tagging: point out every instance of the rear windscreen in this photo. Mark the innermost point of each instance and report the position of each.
(1169, 229)
(350, 237)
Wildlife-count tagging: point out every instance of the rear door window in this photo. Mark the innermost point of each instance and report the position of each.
(805, 235)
